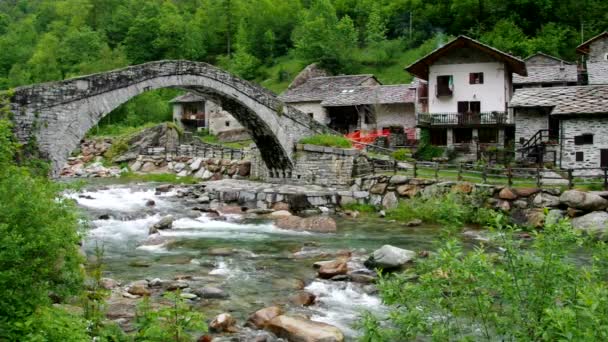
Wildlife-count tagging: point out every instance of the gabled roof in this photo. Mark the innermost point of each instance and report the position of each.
(317, 88)
(370, 95)
(584, 47)
(548, 74)
(542, 54)
(564, 100)
(420, 68)
(188, 98)
(597, 72)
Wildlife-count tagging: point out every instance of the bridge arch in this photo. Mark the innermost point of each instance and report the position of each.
(58, 114)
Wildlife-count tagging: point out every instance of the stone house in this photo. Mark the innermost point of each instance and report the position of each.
(546, 71)
(469, 87)
(577, 117)
(595, 56)
(194, 113)
(354, 102)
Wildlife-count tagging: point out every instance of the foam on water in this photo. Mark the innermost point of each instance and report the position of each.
(119, 199)
(340, 304)
(118, 230)
(206, 227)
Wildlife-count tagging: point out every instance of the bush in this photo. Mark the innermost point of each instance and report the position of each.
(535, 293)
(118, 148)
(428, 152)
(328, 140)
(402, 154)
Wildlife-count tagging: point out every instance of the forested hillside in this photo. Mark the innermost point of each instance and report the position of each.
(270, 40)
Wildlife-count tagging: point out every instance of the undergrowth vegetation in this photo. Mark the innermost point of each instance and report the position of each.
(520, 291)
(158, 177)
(328, 140)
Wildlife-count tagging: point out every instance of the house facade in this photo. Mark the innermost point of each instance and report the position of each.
(566, 126)
(469, 86)
(595, 56)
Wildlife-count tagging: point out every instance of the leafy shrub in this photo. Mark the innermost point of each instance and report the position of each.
(118, 148)
(401, 154)
(428, 152)
(328, 140)
(535, 293)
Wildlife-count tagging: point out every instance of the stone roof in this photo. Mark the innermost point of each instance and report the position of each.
(316, 89)
(420, 68)
(564, 100)
(385, 94)
(597, 72)
(548, 74)
(584, 47)
(188, 98)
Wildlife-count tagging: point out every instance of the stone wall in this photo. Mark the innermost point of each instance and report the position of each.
(572, 127)
(598, 50)
(529, 121)
(203, 168)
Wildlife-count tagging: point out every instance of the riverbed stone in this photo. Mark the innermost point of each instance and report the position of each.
(304, 330)
(332, 268)
(583, 200)
(164, 223)
(390, 257)
(544, 200)
(320, 224)
(139, 290)
(109, 283)
(210, 292)
(303, 298)
(223, 322)
(594, 224)
(260, 318)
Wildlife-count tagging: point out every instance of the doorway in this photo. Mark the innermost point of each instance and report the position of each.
(604, 158)
(553, 128)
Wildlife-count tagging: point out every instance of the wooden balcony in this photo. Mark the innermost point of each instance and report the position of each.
(463, 119)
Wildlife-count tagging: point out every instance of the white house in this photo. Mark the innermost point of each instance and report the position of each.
(469, 86)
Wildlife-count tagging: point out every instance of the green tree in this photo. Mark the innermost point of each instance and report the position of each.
(375, 30)
(508, 37)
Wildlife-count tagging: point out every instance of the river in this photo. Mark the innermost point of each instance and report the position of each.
(254, 262)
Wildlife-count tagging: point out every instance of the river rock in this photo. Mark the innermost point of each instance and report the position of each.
(304, 330)
(164, 188)
(210, 292)
(109, 283)
(332, 268)
(223, 323)
(390, 201)
(390, 257)
(321, 224)
(594, 224)
(177, 285)
(303, 298)
(139, 290)
(583, 200)
(544, 200)
(507, 194)
(164, 223)
(261, 317)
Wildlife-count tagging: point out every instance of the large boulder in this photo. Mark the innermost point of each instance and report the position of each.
(583, 200)
(303, 298)
(210, 292)
(408, 190)
(260, 318)
(507, 194)
(594, 224)
(332, 268)
(303, 330)
(223, 323)
(390, 257)
(162, 135)
(389, 201)
(164, 223)
(321, 224)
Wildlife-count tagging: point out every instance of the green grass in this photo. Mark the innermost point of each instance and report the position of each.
(159, 178)
(362, 208)
(113, 131)
(327, 140)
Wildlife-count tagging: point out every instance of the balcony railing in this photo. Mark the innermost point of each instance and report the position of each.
(463, 119)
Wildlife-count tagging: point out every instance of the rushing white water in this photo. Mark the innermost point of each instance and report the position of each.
(341, 304)
(120, 199)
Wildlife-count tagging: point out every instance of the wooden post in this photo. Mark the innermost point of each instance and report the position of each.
(605, 178)
(395, 167)
(415, 169)
(570, 179)
(509, 176)
(459, 172)
(437, 171)
(538, 178)
(484, 174)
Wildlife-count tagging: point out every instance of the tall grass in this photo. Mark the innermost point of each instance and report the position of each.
(327, 140)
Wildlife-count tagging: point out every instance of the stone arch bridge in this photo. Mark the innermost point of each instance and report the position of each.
(58, 114)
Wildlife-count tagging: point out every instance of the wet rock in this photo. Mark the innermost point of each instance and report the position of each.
(583, 200)
(104, 217)
(210, 292)
(594, 224)
(303, 298)
(164, 223)
(390, 257)
(507, 194)
(414, 223)
(261, 317)
(177, 285)
(280, 213)
(321, 224)
(221, 251)
(150, 203)
(139, 290)
(230, 210)
(156, 240)
(390, 201)
(544, 200)
(340, 277)
(301, 329)
(362, 278)
(332, 268)
(223, 323)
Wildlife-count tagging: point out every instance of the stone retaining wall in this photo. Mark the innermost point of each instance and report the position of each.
(203, 168)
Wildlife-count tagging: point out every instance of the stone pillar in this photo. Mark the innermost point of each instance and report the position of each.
(474, 141)
(501, 137)
(450, 138)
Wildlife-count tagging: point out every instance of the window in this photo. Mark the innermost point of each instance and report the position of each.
(439, 136)
(583, 139)
(580, 156)
(488, 135)
(476, 78)
(311, 115)
(445, 85)
(463, 135)
(227, 123)
(469, 107)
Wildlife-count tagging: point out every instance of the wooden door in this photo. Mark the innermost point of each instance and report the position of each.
(604, 158)
(553, 128)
